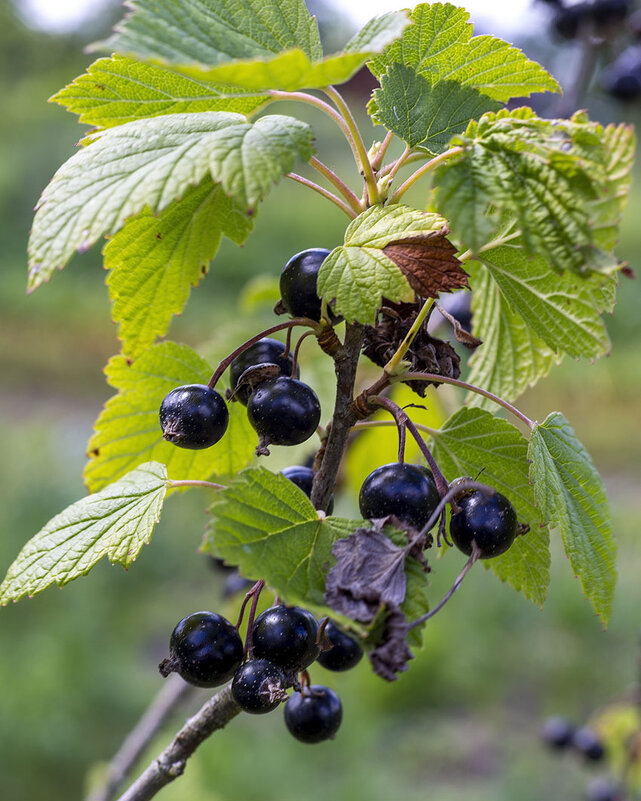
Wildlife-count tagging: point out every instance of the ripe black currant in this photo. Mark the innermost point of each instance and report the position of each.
(602, 789)
(205, 649)
(314, 714)
(258, 686)
(284, 411)
(557, 732)
(624, 86)
(407, 491)
(303, 477)
(265, 351)
(194, 416)
(587, 742)
(609, 12)
(486, 517)
(286, 635)
(298, 284)
(345, 652)
(570, 19)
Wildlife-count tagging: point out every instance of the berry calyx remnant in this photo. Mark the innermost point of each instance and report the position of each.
(407, 491)
(193, 416)
(265, 351)
(286, 636)
(298, 284)
(303, 477)
(205, 649)
(345, 652)
(314, 714)
(259, 686)
(284, 411)
(486, 517)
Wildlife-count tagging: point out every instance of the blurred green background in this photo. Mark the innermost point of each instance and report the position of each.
(78, 666)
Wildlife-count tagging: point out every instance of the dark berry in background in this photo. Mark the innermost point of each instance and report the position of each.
(265, 351)
(303, 477)
(407, 491)
(193, 416)
(587, 742)
(345, 652)
(314, 714)
(557, 733)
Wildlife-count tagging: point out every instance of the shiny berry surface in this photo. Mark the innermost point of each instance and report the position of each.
(193, 416)
(264, 351)
(298, 284)
(486, 517)
(407, 491)
(286, 635)
(345, 652)
(206, 648)
(314, 714)
(258, 686)
(303, 477)
(284, 411)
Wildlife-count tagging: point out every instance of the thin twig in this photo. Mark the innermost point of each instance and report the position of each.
(432, 164)
(388, 424)
(382, 150)
(173, 692)
(392, 365)
(324, 193)
(331, 176)
(216, 713)
(297, 351)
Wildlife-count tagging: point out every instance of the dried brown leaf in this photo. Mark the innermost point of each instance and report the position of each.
(430, 266)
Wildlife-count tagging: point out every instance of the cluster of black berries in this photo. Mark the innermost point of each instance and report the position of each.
(605, 20)
(207, 651)
(409, 493)
(282, 409)
(561, 736)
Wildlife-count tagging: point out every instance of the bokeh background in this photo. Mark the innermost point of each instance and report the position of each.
(78, 666)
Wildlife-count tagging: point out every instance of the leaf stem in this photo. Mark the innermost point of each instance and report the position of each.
(428, 167)
(303, 321)
(441, 379)
(331, 176)
(396, 166)
(392, 366)
(388, 424)
(381, 152)
(459, 580)
(312, 100)
(194, 483)
(325, 193)
(360, 151)
(495, 243)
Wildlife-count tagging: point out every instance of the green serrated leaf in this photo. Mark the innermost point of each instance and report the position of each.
(544, 173)
(571, 495)
(117, 90)
(358, 274)
(440, 46)
(294, 69)
(213, 31)
(425, 114)
(512, 357)
(155, 260)
(128, 433)
(151, 163)
(268, 527)
(473, 442)
(115, 523)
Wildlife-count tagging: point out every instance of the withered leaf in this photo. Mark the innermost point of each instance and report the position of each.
(369, 573)
(462, 335)
(391, 655)
(430, 265)
(426, 354)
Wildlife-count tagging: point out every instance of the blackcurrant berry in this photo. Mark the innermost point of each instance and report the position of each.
(284, 411)
(286, 635)
(258, 686)
(407, 491)
(298, 284)
(205, 649)
(314, 714)
(569, 19)
(557, 732)
(602, 789)
(345, 652)
(194, 416)
(609, 12)
(486, 517)
(587, 742)
(303, 477)
(623, 86)
(266, 350)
